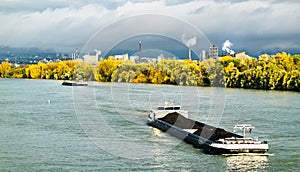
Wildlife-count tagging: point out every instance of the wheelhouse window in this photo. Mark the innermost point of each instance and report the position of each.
(177, 108)
(168, 108)
(160, 108)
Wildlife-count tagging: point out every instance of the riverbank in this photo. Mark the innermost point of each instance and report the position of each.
(276, 72)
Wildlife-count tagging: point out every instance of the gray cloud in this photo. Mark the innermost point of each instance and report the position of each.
(38, 5)
(262, 10)
(177, 2)
(201, 9)
(231, 1)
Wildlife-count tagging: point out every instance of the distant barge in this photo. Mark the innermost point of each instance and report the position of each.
(212, 140)
(74, 83)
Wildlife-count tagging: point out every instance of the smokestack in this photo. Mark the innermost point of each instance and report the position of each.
(189, 43)
(190, 58)
(140, 51)
(76, 53)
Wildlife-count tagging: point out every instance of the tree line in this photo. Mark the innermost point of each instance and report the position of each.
(271, 72)
(63, 70)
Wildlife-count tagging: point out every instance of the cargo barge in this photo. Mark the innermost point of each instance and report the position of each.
(212, 140)
(74, 83)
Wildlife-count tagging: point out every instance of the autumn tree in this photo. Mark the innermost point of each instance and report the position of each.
(5, 69)
(105, 69)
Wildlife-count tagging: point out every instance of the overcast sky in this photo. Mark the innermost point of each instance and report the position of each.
(252, 26)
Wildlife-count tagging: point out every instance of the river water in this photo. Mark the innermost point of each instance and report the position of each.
(45, 126)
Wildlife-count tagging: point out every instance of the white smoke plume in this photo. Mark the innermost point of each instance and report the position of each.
(226, 47)
(189, 42)
(98, 52)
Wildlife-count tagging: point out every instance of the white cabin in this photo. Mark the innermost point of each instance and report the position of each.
(165, 109)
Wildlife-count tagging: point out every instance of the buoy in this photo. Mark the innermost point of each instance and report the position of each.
(49, 101)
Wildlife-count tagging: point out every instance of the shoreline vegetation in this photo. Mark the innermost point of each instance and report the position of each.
(269, 72)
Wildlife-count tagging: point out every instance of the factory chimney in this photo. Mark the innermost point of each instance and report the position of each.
(76, 53)
(190, 53)
(140, 51)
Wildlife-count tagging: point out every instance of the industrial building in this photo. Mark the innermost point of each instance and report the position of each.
(92, 59)
(213, 52)
(121, 57)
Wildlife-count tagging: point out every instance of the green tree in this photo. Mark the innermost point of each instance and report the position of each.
(82, 71)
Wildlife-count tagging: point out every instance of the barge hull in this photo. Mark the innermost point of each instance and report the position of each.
(190, 138)
(213, 150)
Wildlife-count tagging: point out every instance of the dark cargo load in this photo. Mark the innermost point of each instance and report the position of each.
(203, 130)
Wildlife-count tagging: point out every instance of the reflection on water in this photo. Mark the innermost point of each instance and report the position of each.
(247, 163)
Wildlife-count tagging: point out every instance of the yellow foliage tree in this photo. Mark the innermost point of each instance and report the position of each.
(105, 69)
(33, 71)
(5, 68)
